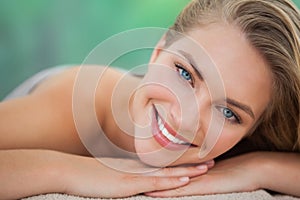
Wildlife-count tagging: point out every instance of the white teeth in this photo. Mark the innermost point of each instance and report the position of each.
(167, 134)
(161, 126)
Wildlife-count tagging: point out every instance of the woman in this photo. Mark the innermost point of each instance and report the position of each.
(174, 111)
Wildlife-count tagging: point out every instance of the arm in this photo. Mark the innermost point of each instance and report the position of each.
(281, 172)
(252, 171)
(30, 172)
(35, 131)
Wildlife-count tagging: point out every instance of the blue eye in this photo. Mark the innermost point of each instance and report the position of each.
(229, 115)
(184, 74)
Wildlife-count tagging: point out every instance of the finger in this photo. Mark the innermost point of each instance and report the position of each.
(180, 171)
(154, 183)
(202, 185)
(210, 164)
(177, 192)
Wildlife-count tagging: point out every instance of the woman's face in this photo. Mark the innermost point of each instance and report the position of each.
(199, 101)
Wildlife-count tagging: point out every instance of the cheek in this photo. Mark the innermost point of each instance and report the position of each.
(225, 142)
(148, 95)
(141, 108)
(159, 93)
(165, 84)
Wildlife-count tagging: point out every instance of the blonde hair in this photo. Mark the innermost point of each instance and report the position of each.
(272, 27)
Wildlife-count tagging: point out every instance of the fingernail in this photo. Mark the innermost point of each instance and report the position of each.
(184, 179)
(202, 167)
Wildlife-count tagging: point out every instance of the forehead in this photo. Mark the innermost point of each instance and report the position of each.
(245, 74)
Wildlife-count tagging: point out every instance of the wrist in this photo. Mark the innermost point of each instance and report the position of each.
(70, 170)
(258, 165)
(263, 166)
(57, 171)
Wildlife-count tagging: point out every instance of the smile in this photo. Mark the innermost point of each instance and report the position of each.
(165, 135)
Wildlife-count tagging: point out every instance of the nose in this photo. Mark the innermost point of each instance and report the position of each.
(186, 117)
(175, 115)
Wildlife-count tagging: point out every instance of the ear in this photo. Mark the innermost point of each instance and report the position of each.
(158, 48)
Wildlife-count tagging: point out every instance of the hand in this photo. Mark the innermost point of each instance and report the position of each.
(237, 174)
(89, 177)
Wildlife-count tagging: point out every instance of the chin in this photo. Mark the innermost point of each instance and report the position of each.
(155, 155)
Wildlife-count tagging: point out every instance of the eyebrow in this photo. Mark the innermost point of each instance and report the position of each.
(241, 106)
(230, 101)
(189, 58)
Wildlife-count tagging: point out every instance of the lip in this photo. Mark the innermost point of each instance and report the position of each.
(161, 139)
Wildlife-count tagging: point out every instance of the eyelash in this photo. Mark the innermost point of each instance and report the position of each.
(181, 67)
(237, 119)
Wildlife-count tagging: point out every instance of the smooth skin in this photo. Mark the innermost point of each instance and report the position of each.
(39, 142)
(246, 79)
(25, 157)
(248, 172)
(55, 158)
(31, 172)
(258, 170)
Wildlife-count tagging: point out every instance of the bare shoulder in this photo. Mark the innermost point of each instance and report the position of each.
(44, 118)
(61, 86)
(64, 82)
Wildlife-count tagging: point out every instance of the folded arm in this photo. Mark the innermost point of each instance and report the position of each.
(26, 173)
(29, 172)
(275, 171)
(40, 151)
(281, 172)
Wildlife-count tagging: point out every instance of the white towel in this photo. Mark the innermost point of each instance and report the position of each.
(256, 195)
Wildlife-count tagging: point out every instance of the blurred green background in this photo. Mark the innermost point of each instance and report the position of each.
(37, 34)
